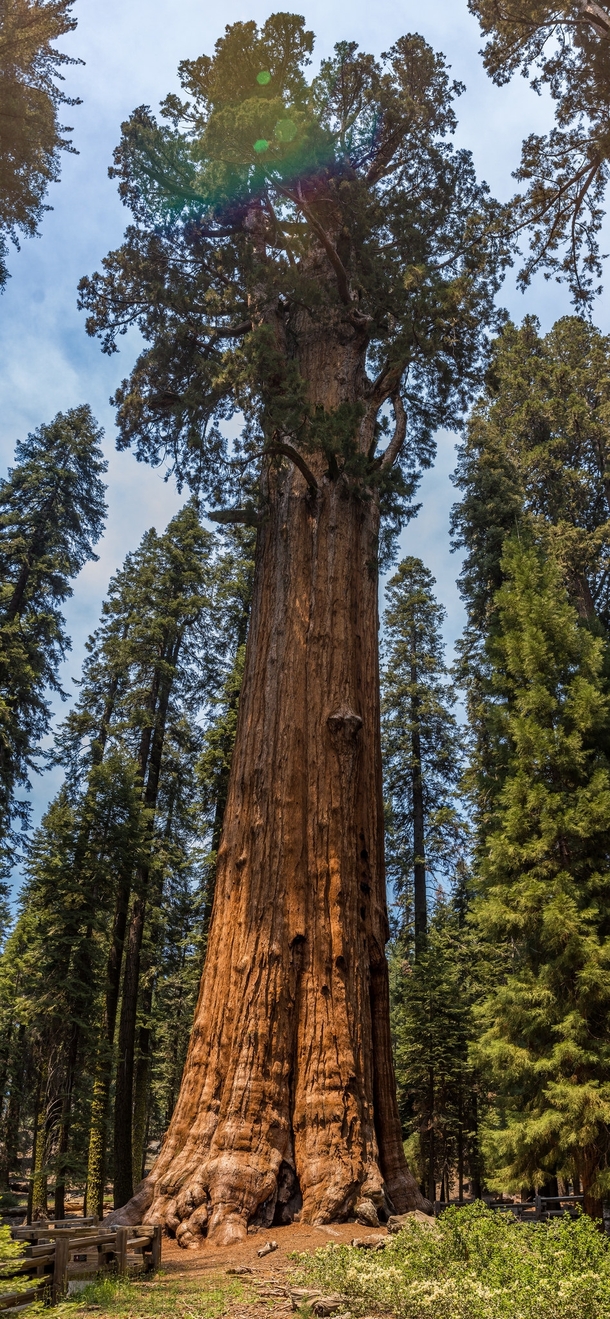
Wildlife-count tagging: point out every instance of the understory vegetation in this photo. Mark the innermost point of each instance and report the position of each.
(202, 1296)
(472, 1263)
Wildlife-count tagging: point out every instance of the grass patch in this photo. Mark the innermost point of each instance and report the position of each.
(474, 1264)
(165, 1296)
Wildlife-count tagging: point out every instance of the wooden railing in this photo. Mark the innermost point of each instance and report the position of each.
(56, 1253)
(540, 1209)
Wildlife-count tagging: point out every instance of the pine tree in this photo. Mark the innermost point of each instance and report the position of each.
(543, 880)
(538, 447)
(51, 514)
(420, 742)
(31, 137)
(431, 965)
(433, 1025)
(123, 858)
(52, 965)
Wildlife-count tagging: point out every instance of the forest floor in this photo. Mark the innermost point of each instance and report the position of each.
(201, 1284)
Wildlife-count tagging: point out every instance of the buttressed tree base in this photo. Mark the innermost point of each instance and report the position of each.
(316, 257)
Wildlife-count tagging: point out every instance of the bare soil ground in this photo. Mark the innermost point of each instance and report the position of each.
(268, 1281)
(298, 1236)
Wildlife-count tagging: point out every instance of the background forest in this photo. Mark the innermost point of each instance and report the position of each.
(496, 761)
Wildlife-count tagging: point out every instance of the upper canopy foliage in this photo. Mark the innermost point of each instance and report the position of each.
(264, 200)
(537, 451)
(31, 137)
(567, 43)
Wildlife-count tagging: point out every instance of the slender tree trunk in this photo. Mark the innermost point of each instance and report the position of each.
(460, 1147)
(38, 1207)
(13, 1110)
(141, 1089)
(474, 1153)
(123, 1104)
(420, 902)
(431, 1140)
(123, 1109)
(4, 1102)
(65, 1122)
(289, 1069)
(98, 1129)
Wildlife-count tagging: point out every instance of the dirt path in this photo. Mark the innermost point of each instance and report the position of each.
(269, 1276)
(298, 1236)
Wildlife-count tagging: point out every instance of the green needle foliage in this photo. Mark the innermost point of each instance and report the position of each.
(52, 513)
(31, 137)
(543, 882)
(566, 44)
(421, 743)
(106, 954)
(260, 200)
(538, 445)
(433, 1027)
(432, 963)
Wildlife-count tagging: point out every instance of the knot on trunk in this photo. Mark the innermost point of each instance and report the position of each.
(344, 721)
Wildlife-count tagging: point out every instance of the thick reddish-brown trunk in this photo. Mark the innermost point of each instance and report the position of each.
(288, 1092)
(592, 1202)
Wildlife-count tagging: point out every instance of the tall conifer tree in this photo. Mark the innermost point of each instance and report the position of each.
(52, 513)
(543, 878)
(420, 742)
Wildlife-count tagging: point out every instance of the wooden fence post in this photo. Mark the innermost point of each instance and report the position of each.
(121, 1249)
(155, 1262)
(60, 1268)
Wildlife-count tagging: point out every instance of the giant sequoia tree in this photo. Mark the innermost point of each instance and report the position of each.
(314, 256)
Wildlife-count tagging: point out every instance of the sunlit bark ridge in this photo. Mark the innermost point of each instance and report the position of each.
(288, 1100)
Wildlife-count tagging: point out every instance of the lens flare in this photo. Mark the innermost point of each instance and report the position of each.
(285, 130)
(263, 77)
(261, 145)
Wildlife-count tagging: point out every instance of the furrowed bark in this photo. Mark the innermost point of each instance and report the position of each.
(288, 1096)
(420, 902)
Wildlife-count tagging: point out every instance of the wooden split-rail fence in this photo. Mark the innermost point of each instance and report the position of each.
(540, 1209)
(57, 1253)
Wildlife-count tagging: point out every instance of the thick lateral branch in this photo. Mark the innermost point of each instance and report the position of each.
(391, 454)
(287, 450)
(226, 516)
(599, 19)
(327, 244)
(387, 382)
(231, 331)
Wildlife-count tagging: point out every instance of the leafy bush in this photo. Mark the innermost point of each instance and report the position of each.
(473, 1263)
(10, 1254)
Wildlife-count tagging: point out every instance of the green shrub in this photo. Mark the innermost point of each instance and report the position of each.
(10, 1253)
(473, 1263)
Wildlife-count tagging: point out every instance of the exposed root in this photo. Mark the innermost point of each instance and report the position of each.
(197, 1210)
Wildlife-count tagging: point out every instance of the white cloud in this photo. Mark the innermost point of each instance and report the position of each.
(131, 49)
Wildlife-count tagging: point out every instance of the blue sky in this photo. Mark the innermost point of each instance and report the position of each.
(131, 50)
